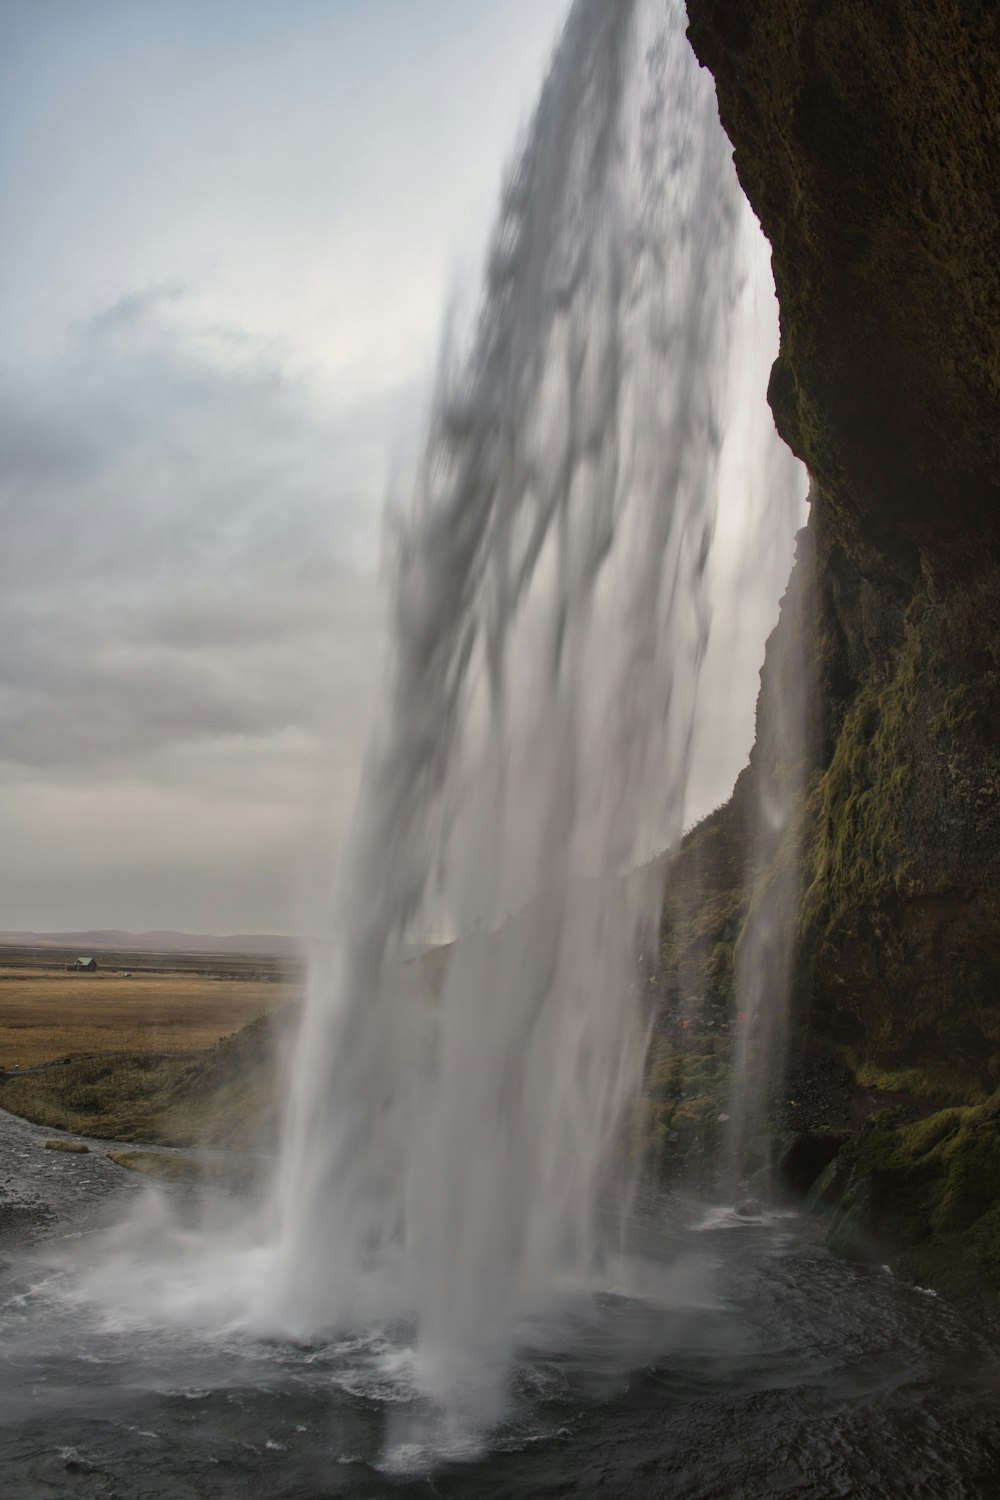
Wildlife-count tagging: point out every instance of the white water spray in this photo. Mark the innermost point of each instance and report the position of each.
(444, 1155)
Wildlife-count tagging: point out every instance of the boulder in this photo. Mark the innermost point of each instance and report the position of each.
(750, 1208)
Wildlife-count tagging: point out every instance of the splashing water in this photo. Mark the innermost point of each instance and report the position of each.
(445, 1153)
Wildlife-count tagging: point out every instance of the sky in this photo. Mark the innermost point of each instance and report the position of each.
(231, 228)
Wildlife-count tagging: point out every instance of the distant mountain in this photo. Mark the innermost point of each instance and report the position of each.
(157, 942)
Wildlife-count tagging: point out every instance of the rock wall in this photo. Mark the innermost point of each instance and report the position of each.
(866, 134)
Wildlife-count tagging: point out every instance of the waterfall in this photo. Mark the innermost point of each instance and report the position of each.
(783, 756)
(451, 1129)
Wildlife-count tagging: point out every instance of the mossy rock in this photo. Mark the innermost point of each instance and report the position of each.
(926, 1197)
(76, 1148)
(164, 1167)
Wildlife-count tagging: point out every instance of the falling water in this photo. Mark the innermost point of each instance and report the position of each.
(448, 1144)
(782, 758)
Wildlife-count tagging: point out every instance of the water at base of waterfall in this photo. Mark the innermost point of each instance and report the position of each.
(714, 1357)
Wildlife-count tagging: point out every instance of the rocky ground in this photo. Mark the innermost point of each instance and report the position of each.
(83, 1183)
(42, 1190)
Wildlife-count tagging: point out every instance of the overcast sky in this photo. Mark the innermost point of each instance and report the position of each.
(230, 228)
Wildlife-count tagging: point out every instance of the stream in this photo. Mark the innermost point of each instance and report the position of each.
(713, 1358)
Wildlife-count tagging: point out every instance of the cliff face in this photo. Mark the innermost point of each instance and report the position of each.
(866, 134)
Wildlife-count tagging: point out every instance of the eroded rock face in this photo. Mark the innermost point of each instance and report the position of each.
(867, 136)
(901, 915)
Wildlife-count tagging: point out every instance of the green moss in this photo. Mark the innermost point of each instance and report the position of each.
(858, 854)
(958, 711)
(934, 1079)
(675, 1128)
(164, 1168)
(928, 1195)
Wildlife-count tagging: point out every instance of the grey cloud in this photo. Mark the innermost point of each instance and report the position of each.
(182, 569)
(133, 310)
(189, 623)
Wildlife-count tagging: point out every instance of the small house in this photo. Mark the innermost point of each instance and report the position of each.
(86, 965)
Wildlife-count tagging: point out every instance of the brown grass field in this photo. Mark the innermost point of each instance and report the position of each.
(48, 1013)
(190, 1050)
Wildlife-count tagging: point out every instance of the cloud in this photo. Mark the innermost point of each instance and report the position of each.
(188, 600)
(190, 624)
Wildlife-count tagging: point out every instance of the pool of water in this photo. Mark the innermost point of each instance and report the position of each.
(710, 1357)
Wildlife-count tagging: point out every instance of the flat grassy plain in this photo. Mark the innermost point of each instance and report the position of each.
(180, 1049)
(170, 1004)
(190, 1050)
